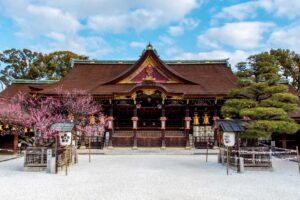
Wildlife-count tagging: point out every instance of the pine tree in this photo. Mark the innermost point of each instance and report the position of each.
(258, 95)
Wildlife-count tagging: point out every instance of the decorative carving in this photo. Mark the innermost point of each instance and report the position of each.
(149, 71)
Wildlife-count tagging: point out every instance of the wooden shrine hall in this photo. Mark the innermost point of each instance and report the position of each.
(150, 102)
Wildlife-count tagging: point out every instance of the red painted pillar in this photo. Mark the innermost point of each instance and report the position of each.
(110, 129)
(134, 128)
(163, 120)
(187, 128)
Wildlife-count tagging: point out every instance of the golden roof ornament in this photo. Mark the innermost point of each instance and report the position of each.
(149, 46)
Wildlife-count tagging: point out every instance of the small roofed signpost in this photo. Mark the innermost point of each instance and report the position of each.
(65, 138)
(229, 141)
(236, 127)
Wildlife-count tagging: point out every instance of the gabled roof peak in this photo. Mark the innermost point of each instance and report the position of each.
(149, 46)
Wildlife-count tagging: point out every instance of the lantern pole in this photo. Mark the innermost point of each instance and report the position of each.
(90, 149)
(66, 160)
(298, 157)
(227, 159)
(238, 152)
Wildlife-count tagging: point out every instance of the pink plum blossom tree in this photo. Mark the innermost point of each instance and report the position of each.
(40, 112)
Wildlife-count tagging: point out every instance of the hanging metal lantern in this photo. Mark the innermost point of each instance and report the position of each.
(92, 120)
(205, 119)
(1, 129)
(13, 128)
(71, 117)
(102, 119)
(6, 126)
(196, 119)
(25, 130)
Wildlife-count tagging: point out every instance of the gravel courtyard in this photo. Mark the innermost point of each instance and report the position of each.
(149, 177)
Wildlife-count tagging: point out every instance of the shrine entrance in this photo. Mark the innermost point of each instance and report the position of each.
(148, 120)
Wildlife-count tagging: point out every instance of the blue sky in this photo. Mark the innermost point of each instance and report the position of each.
(178, 29)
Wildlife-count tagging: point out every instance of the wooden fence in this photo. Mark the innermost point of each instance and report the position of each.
(35, 158)
(203, 142)
(253, 157)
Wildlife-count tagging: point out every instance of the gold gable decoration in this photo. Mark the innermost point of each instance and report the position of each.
(148, 67)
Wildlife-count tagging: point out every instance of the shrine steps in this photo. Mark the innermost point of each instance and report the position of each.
(148, 138)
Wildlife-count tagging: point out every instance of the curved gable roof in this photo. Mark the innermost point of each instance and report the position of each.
(163, 66)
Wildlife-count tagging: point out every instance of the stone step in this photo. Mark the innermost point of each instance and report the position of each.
(148, 151)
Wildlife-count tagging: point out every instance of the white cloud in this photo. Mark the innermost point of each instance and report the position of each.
(179, 29)
(248, 10)
(62, 21)
(56, 36)
(120, 15)
(240, 35)
(287, 38)
(136, 44)
(176, 30)
(109, 23)
(92, 46)
(37, 20)
(234, 56)
(239, 11)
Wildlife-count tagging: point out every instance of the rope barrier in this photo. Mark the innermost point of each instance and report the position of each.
(272, 147)
(266, 160)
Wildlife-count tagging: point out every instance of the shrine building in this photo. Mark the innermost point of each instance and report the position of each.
(150, 102)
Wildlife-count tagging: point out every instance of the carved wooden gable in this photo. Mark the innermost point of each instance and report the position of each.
(150, 70)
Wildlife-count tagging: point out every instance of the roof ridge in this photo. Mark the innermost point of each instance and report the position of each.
(176, 61)
(34, 81)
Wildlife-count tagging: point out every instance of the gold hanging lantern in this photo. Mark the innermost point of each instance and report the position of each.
(31, 130)
(205, 119)
(196, 119)
(13, 128)
(25, 130)
(1, 129)
(92, 119)
(71, 117)
(6, 126)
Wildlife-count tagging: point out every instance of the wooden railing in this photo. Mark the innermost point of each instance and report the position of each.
(253, 157)
(96, 142)
(35, 158)
(204, 142)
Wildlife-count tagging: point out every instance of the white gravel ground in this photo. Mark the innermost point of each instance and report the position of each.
(149, 177)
